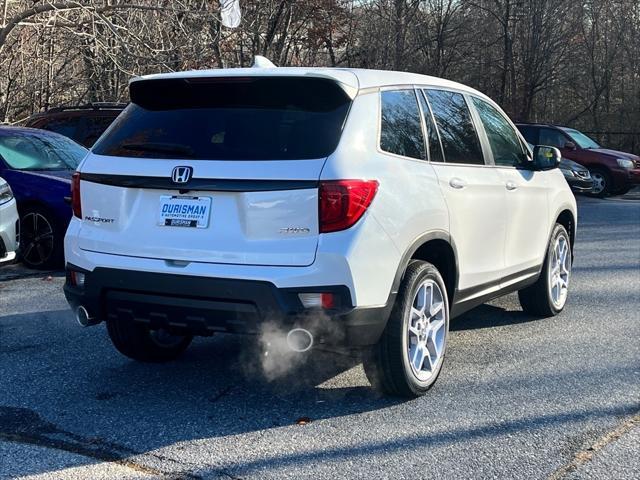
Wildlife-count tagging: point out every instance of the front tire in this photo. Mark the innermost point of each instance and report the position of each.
(601, 182)
(139, 342)
(408, 357)
(548, 296)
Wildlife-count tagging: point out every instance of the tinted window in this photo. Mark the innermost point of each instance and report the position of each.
(40, 151)
(504, 142)
(530, 134)
(94, 127)
(64, 126)
(435, 150)
(400, 126)
(457, 133)
(552, 137)
(243, 118)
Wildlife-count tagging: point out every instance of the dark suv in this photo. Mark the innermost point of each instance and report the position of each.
(84, 124)
(613, 172)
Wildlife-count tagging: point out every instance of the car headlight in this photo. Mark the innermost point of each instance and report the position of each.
(625, 163)
(6, 194)
(567, 173)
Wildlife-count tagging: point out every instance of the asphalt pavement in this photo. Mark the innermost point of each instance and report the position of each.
(519, 397)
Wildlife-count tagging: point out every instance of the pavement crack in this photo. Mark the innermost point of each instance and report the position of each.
(587, 454)
(21, 425)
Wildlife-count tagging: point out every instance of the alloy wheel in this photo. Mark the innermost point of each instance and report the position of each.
(37, 239)
(599, 182)
(560, 271)
(426, 330)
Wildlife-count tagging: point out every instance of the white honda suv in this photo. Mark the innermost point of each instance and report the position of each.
(351, 207)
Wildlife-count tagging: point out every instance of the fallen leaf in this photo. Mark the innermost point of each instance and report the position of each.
(303, 420)
(48, 279)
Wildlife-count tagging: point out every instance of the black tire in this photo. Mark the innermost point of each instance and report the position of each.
(138, 342)
(600, 174)
(536, 299)
(41, 239)
(386, 364)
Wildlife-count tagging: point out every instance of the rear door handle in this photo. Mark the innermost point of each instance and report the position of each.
(511, 185)
(458, 183)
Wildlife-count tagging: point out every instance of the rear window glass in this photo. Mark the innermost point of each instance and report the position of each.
(400, 128)
(222, 118)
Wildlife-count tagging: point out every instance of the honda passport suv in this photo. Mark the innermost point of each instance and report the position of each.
(352, 207)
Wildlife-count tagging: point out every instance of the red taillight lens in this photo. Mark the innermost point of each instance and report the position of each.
(343, 202)
(75, 195)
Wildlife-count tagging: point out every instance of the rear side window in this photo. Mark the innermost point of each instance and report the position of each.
(400, 126)
(64, 126)
(229, 118)
(460, 141)
(503, 139)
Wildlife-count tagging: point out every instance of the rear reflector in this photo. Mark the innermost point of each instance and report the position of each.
(75, 195)
(343, 202)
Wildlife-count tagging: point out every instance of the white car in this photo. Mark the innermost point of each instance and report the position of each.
(9, 224)
(354, 207)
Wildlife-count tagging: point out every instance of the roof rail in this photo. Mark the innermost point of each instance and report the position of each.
(90, 106)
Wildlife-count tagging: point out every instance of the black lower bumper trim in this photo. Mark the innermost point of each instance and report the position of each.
(203, 306)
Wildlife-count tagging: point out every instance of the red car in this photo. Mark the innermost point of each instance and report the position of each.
(613, 172)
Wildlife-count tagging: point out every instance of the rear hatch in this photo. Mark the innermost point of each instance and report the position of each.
(221, 170)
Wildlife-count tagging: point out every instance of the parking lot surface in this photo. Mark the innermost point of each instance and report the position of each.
(519, 397)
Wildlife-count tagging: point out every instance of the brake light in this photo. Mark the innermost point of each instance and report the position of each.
(75, 195)
(343, 202)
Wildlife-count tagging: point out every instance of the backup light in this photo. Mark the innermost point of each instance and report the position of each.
(317, 300)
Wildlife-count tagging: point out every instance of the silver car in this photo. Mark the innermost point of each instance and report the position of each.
(9, 224)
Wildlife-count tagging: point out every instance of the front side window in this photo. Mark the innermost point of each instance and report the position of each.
(504, 142)
(460, 141)
(229, 118)
(400, 126)
(552, 138)
(40, 151)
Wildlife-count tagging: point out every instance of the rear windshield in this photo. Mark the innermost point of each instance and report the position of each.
(251, 118)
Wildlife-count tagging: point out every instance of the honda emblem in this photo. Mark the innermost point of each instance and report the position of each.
(181, 174)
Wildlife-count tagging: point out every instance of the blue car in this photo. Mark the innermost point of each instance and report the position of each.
(38, 165)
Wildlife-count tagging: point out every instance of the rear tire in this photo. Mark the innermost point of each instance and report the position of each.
(138, 342)
(408, 357)
(547, 297)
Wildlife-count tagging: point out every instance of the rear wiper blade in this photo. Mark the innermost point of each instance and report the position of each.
(157, 147)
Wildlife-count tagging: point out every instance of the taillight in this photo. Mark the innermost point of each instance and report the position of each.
(75, 195)
(343, 202)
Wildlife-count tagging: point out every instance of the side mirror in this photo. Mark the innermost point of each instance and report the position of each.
(546, 158)
(570, 146)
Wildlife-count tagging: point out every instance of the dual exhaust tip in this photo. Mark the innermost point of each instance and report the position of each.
(298, 339)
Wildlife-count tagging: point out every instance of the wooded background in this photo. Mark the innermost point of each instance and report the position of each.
(571, 62)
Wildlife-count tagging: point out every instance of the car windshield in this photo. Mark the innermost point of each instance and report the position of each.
(40, 151)
(581, 139)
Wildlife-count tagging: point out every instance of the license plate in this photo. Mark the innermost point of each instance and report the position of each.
(177, 211)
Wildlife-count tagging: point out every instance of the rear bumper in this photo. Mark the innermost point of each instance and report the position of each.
(203, 306)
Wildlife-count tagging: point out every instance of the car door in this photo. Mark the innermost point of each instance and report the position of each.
(474, 193)
(526, 194)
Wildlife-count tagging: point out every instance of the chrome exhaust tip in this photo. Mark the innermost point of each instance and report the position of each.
(83, 317)
(299, 340)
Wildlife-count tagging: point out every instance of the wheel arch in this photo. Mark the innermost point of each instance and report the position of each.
(567, 220)
(437, 248)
